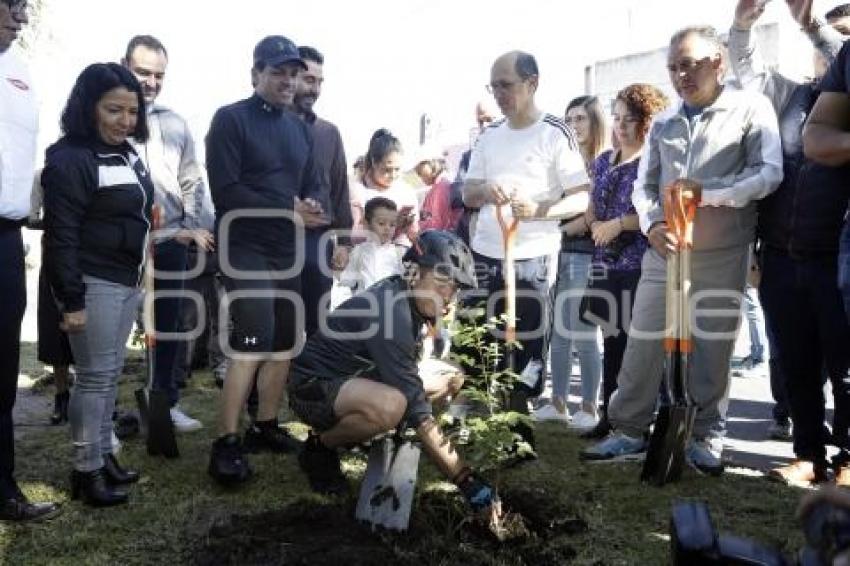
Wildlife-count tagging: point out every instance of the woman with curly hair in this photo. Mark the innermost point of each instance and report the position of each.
(612, 222)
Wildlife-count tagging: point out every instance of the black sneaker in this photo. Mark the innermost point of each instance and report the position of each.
(268, 436)
(228, 465)
(323, 468)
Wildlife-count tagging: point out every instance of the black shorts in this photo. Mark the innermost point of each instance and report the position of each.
(312, 399)
(267, 313)
(54, 349)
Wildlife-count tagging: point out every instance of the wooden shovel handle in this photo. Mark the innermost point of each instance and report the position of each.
(148, 319)
(681, 198)
(509, 233)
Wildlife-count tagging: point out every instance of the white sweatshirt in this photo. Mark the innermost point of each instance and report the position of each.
(18, 132)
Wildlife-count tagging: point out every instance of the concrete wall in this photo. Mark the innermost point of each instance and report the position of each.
(777, 43)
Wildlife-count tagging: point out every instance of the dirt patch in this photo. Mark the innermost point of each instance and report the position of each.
(306, 532)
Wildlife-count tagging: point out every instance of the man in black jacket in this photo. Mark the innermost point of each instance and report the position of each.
(265, 188)
(321, 255)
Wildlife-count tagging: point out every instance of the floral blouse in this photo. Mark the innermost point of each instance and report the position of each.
(612, 198)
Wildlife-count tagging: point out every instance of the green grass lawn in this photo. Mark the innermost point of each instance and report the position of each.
(175, 504)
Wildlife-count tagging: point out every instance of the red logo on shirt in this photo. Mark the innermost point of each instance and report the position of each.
(17, 83)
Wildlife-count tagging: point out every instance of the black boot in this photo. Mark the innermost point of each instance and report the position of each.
(115, 474)
(268, 436)
(60, 408)
(228, 465)
(323, 468)
(94, 489)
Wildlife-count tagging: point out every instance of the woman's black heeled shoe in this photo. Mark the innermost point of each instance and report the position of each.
(93, 488)
(60, 408)
(115, 474)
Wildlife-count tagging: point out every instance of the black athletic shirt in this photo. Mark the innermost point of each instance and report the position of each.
(260, 157)
(375, 335)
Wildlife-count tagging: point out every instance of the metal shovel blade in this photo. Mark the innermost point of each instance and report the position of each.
(386, 494)
(142, 403)
(161, 440)
(665, 456)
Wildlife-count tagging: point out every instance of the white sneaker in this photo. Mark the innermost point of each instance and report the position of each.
(583, 421)
(550, 413)
(116, 444)
(183, 422)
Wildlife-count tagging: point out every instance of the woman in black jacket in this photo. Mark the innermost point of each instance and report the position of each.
(97, 203)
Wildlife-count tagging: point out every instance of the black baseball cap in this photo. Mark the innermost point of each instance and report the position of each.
(276, 50)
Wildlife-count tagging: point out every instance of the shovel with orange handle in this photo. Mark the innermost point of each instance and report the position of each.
(665, 456)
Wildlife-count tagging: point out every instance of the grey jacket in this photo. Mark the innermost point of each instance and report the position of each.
(733, 150)
(178, 178)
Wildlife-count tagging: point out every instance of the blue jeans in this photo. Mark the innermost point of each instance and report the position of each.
(754, 315)
(99, 358)
(569, 330)
(844, 267)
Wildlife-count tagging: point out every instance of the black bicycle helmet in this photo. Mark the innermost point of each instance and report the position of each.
(445, 253)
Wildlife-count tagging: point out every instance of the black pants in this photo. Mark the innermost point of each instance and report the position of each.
(532, 306)
(810, 331)
(13, 291)
(316, 281)
(622, 285)
(207, 346)
(170, 259)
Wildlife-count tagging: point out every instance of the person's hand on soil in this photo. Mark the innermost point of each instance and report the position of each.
(478, 493)
(661, 239)
(73, 321)
(603, 232)
(747, 12)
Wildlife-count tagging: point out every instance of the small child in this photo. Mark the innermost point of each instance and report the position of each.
(378, 257)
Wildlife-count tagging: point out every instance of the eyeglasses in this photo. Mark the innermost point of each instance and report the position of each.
(687, 66)
(501, 86)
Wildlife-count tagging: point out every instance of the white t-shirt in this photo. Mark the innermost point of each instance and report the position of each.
(18, 132)
(370, 262)
(541, 162)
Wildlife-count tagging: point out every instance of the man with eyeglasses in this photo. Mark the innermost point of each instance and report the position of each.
(798, 230)
(18, 131)
(529, 166)
(725, 143)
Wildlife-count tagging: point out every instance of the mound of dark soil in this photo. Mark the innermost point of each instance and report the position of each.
(441, 532)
